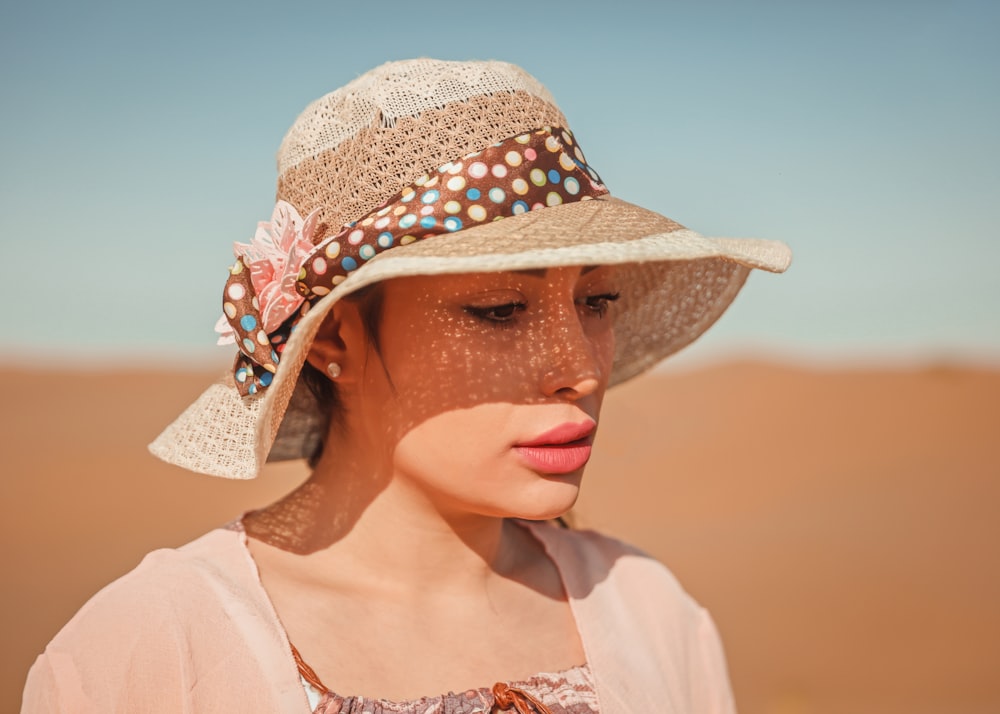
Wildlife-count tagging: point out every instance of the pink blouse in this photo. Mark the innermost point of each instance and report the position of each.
(191, 630)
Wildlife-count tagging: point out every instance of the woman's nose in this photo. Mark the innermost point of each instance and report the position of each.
(573, 366)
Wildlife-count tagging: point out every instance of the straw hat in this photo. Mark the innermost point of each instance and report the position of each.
(408, 170)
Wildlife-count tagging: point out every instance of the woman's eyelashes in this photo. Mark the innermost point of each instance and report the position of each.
(506, 314)
(502, 315)
(599, 304)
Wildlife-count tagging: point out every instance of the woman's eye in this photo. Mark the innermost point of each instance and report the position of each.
(599, 304)
(495, 313)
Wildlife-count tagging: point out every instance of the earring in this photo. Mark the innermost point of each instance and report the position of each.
(333, 369)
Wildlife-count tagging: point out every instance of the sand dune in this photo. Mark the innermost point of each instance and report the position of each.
(841, 526)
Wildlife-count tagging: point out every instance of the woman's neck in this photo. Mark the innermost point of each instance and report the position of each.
(360, 557)
(360, 518)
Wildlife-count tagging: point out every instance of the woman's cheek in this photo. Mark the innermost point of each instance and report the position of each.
(440, 451)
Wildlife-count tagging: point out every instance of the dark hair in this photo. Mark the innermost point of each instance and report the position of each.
(323, 389)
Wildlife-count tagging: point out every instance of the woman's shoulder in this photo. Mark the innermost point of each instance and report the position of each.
(179, 612)
(167, 577)
(170, 589)
(638, 624)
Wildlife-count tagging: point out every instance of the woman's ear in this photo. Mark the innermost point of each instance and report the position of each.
(335, 341)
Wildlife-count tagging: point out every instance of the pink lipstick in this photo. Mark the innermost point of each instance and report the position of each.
(561, 450)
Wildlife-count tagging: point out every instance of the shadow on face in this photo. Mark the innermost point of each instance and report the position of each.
(438, 392)
(453, 343)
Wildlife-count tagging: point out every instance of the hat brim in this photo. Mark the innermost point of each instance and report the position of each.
(678, 284)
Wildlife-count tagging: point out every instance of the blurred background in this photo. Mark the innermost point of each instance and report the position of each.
(821, 469)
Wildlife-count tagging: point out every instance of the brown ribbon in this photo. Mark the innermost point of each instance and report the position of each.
(307, 672)
(506, 698)
(524, 173)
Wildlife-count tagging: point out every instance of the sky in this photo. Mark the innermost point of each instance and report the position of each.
(138, 142)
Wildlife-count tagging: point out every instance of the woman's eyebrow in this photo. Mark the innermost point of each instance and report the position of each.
(540, 272)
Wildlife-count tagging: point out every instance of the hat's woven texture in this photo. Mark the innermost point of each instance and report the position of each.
(354, 149)
(357, 146)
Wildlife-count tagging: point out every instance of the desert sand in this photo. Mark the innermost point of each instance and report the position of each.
(841, 526)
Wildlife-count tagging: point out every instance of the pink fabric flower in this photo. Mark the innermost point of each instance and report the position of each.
(274, 258)
(227, 336)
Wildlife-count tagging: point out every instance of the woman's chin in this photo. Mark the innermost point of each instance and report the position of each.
(551, 499)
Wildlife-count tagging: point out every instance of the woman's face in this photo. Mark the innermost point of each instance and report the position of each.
(485, 391)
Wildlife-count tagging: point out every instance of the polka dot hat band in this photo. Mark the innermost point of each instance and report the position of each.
(278, 276)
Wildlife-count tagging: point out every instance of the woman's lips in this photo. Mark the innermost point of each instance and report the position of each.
(561, 450)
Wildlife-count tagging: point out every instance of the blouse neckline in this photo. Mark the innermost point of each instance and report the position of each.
(530, 526)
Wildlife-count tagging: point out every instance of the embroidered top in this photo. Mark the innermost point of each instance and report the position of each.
(568, 692)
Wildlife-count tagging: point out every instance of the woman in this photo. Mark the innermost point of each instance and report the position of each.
(432, 316)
